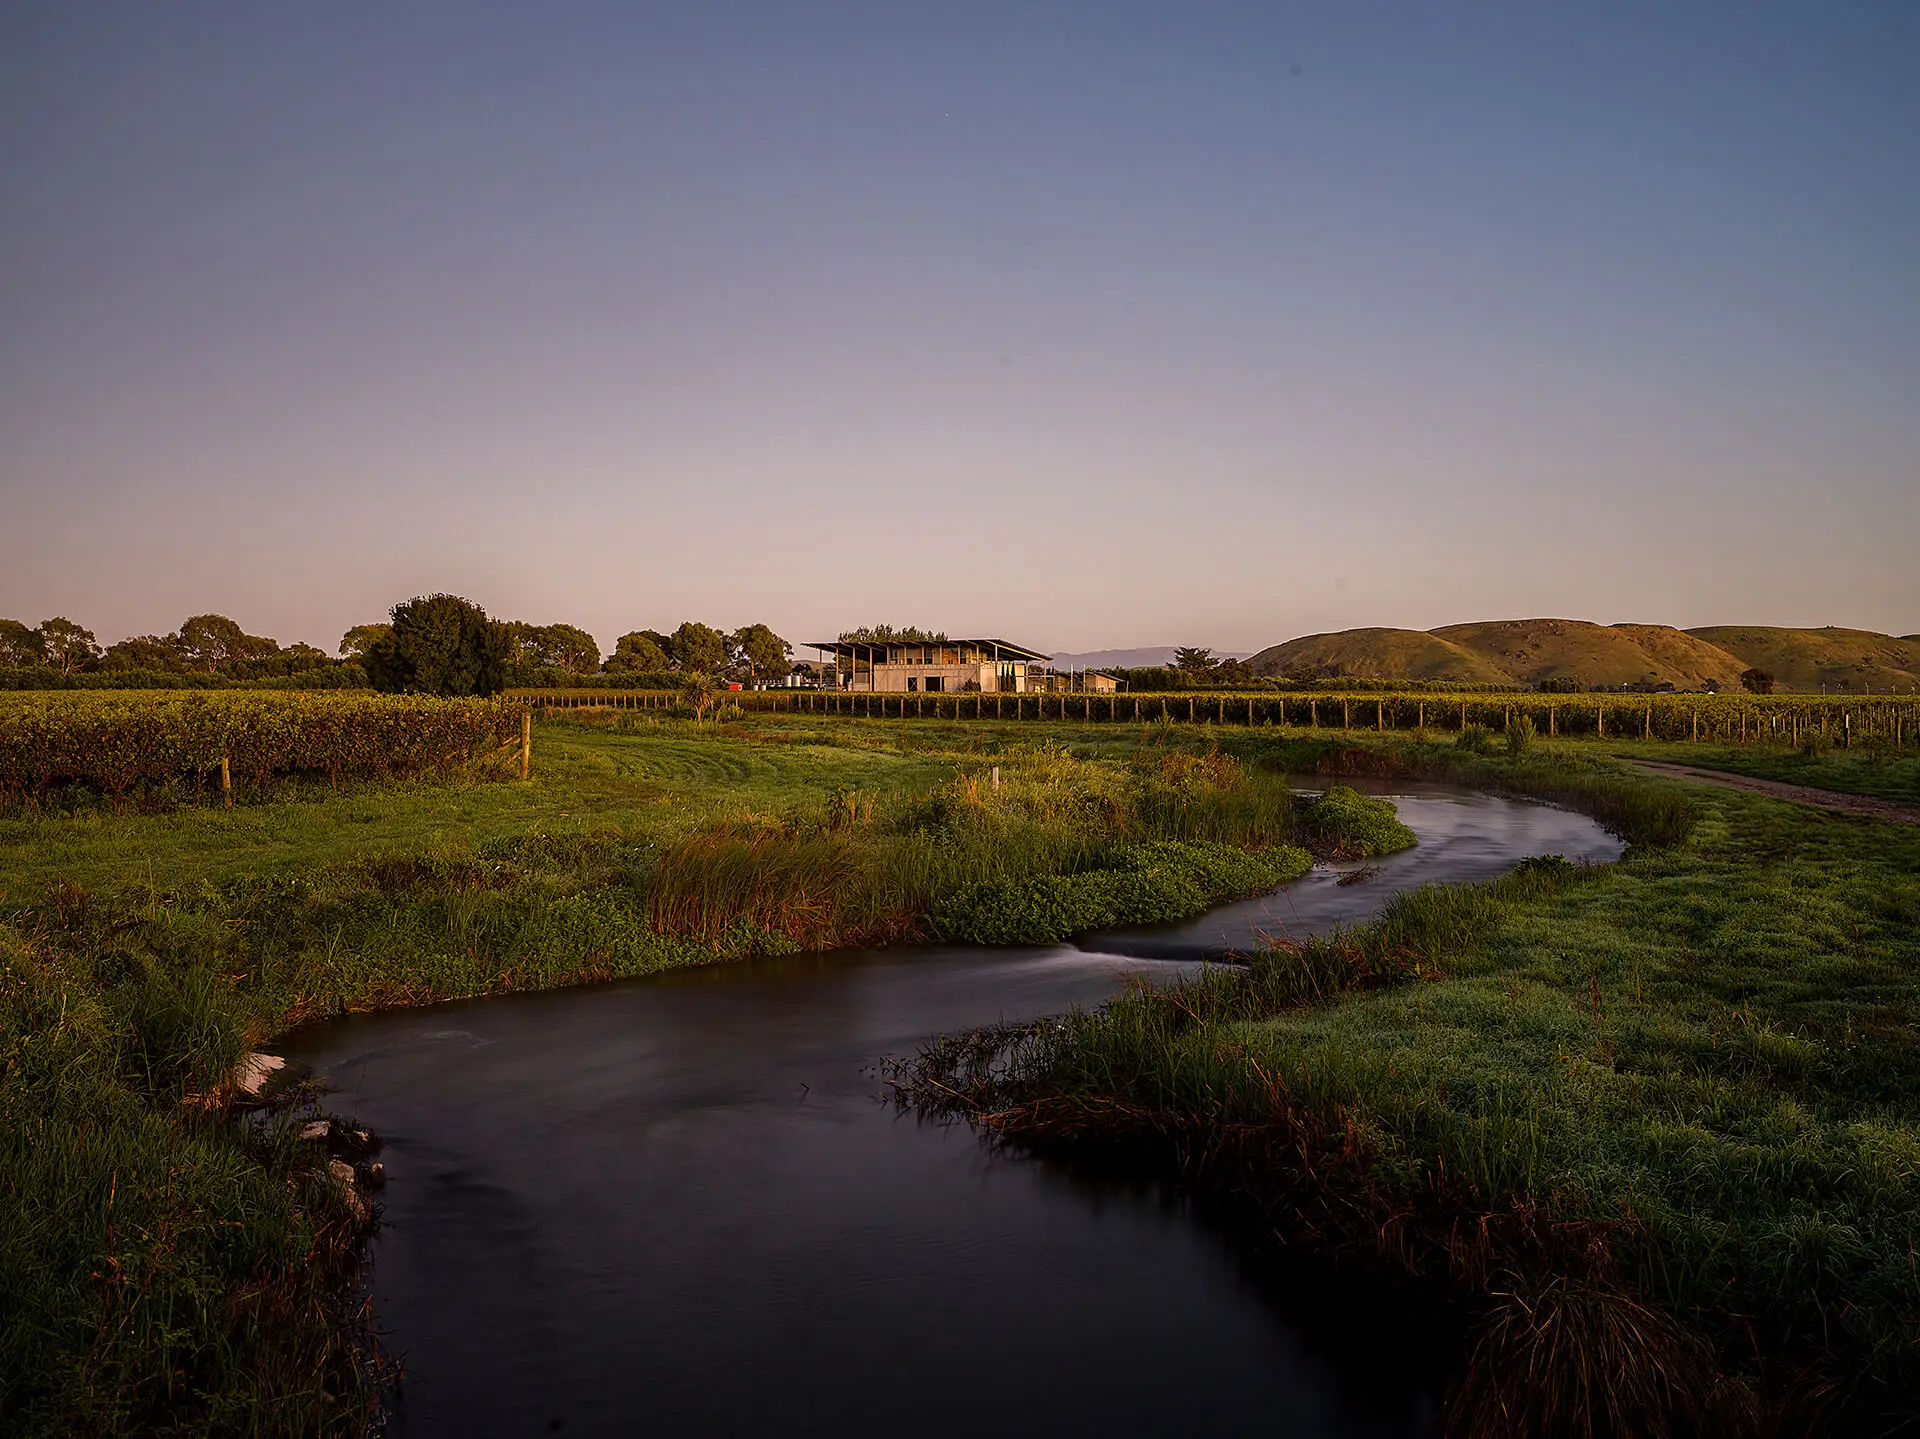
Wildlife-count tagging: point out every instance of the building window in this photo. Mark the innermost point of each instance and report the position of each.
(933, 684)
(913, 682)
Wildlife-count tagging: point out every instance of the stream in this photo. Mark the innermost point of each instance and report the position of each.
(681, 1205)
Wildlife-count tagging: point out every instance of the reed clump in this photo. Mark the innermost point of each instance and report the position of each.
(1038, 847)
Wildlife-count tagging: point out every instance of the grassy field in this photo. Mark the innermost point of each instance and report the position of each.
(166, 1269)
(1875, 770)
(1496, 1053)
(1656, 1126)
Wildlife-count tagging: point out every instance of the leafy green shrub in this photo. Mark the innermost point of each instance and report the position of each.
(1475, 739)
(1520, 736)
(1351, 824)
(1150, 884)
(440, 645)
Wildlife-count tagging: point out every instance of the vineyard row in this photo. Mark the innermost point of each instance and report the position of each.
(119, 741)
(1735, 718)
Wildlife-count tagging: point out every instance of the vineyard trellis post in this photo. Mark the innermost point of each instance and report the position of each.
(226, 782)
(526, 742)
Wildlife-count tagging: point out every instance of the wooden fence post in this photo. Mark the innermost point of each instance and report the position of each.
(526, 742)
(226, 782)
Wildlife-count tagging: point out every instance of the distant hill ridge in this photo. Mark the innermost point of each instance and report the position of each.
(1524, 653)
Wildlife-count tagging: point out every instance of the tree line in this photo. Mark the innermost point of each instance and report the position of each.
(433, 644)
(203, 645)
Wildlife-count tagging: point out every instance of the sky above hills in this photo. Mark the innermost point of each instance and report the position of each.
(1093, 325)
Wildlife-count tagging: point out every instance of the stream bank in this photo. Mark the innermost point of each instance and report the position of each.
(686, 1197)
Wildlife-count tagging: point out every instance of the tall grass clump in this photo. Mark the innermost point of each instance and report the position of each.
(1056, 846)
(1475, 738)
(160, 1270)
(1350, 825)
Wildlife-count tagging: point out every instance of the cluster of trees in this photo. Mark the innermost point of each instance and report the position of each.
(752, 653)
(436, 644)
(442, 644)
(203, 645)
(888, 635)
(1193, 668)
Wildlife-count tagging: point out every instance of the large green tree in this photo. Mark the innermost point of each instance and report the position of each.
(66, 644)
(641, 652)
(561, 647)
(1193, 662)
(145, 652)
(762, 652)
(697, 649)
(440, 645)
(361, 638)
(20, 645)
(209, 641)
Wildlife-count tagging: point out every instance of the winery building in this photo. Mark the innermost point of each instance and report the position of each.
(941, 666)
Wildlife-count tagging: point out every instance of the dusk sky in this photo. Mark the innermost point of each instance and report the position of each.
(1101, 325)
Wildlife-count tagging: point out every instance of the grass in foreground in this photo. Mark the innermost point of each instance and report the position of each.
(165, 1269)
(1658, 1124)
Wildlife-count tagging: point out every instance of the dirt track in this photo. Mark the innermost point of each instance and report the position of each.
(1892, 810)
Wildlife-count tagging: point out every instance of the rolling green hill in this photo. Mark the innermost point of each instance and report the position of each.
(1839, 659)
(1385, 654)
(1523, 653)
(1589, 654)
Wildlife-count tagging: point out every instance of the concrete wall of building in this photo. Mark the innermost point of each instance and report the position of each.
(893, 679)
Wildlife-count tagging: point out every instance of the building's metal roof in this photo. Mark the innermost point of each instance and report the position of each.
(1008, 650)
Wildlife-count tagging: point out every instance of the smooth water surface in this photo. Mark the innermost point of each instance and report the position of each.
(680, 1206)
(1463, 836)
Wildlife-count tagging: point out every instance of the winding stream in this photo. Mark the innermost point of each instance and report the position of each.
(677, 1206)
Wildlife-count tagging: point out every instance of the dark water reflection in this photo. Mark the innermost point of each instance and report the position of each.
(674, 1206)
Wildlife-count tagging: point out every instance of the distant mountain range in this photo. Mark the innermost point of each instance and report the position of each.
(1525, 652)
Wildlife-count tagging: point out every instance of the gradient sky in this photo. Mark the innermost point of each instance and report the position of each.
(1084, 325)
